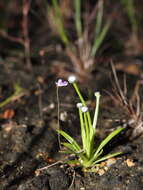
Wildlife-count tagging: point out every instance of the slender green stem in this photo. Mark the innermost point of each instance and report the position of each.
(82, 101)
(82, 129)
(86, 131)
(58, 115)
(97, 94)
(79, 94)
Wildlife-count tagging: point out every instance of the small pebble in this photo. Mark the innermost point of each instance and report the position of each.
(110, 162)
(101, 172)
(130, 163)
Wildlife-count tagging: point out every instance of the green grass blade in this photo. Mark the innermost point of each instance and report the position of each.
(70, 140)
(99, 154)
(75, 162)
(18, 91)
(72, 149)
(106, 140)
(130, 10)
(106, 157)
(99, 39)
(69, 146)
(59, 22)
(99, 18)
(77, 4)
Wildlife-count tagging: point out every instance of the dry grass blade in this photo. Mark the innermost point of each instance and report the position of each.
(121, 94)
(132, 107)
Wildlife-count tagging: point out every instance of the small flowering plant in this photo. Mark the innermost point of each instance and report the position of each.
(88, 154)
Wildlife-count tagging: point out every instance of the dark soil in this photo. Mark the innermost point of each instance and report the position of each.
(29, 140)
(28, 123)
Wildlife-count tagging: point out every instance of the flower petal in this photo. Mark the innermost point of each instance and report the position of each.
(61, 83)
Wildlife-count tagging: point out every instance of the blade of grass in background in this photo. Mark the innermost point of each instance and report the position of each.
(70, 140)
(99, 18)
(78, 23)
(17, 93)
(59, 22)
(130, 10)
(99, 39)
(100, 32)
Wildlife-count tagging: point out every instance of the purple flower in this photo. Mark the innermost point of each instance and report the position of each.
(61, 83)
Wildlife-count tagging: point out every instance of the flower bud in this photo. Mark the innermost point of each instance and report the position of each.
(79, 105)
(84, 109)
(72, 78)
(97, 94)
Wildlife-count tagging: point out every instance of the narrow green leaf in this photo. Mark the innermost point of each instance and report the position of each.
(18, 92)
(59, 22)
(78, 24)
(69, 139)
(70, 147)
(107, 139)
(99, 154)
(73, 162)
(106, 157)
(99, 18)
(66, 151)
(130, 10)
(83, 136)
(99, 39)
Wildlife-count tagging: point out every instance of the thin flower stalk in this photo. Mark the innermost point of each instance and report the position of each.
(97, 94)
(83, 132)
(83, 102)
(87, 129)
(59, 83)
